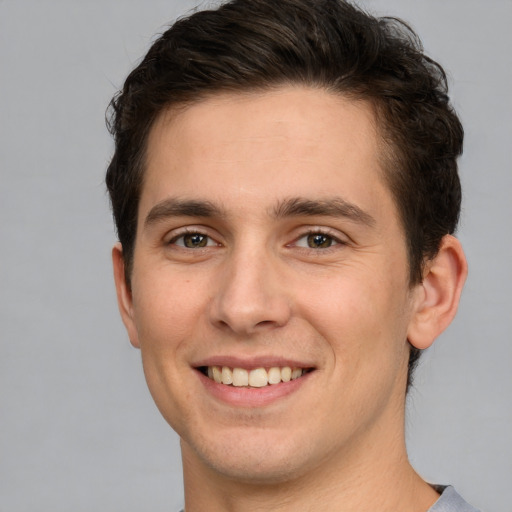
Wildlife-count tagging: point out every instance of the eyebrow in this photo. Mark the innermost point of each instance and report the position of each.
(175, 207)
(291, 207)
(330, 207)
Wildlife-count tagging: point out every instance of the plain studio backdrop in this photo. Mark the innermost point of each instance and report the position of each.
(78, 429)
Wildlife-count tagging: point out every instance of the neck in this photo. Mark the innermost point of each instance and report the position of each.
(376, 475)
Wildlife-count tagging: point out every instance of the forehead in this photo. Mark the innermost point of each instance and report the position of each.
(256, 148)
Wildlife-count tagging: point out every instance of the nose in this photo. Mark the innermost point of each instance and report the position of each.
(250, 295)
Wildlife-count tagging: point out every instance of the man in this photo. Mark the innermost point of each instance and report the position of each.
(285, 191)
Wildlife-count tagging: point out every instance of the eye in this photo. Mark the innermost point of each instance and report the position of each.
(193, 240)
(316, 240)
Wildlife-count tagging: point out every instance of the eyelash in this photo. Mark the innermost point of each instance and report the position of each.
(322, 232)
(186, 232)
(334, 240)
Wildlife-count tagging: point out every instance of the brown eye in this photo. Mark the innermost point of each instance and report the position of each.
(195, 240)
(319, 241)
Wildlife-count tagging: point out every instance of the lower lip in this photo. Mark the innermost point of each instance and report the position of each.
(252, 397)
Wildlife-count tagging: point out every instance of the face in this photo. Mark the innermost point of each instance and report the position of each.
(269, 248)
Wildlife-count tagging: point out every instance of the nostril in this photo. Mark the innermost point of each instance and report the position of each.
(265, 323)
(223, 324)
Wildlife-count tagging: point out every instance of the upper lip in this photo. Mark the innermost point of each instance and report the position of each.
(250, 363)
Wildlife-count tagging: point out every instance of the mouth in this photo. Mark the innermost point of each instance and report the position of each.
(253, 378)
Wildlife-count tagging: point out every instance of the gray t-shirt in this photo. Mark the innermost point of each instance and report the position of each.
(449, 501)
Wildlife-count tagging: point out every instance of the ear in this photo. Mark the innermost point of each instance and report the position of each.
(124, 295)
(438, 295)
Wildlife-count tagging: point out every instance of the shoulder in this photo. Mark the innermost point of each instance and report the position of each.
(450, 501)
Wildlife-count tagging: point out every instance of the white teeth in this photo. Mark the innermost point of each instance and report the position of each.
(240, 377)
(256, 378)
(217, 374)
(274, 375)
(286, 374)
(227, 375)
(296, 373)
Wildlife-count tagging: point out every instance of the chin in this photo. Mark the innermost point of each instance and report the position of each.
(253, 458)
(260, 472)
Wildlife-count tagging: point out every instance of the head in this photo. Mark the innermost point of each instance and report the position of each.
(261, 45)
(284, 186)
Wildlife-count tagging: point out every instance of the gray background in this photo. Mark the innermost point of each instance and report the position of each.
(78, 429)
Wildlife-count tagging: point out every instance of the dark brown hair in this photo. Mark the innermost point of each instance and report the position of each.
(249, 45)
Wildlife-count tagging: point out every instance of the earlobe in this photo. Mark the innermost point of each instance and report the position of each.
(437, 296)
(124, 294)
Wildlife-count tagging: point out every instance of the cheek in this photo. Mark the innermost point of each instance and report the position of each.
(362, 317)
(167, 310)
(166, 317)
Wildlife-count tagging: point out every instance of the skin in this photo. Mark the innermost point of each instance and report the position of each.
(261, 290)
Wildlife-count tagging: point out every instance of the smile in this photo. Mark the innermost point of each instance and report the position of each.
(254, 378)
